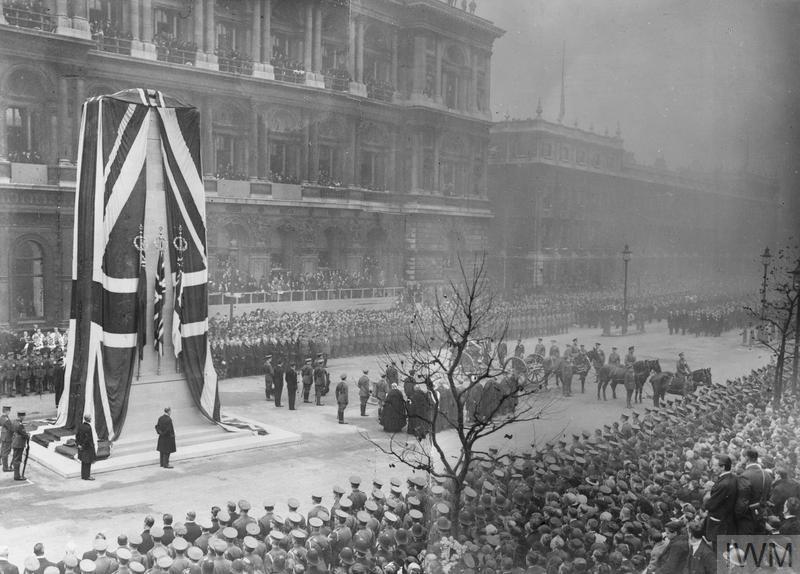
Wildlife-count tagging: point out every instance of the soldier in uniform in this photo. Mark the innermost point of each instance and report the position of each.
(37, 370)
(364, 391)
(269, 376)
(555, 353)
(614, 358)
(342, 398)
(23, 375)
(519, 349)
(540, 349)
(630, 358)
(381, 392)
(320, 381)
(278, 382)
(291, 385)
(682, 368)
(307, 373)
(755, 485)
(582, 366)
(19, 441)
(6, 434)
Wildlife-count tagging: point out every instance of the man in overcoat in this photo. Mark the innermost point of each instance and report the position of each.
(84, 439)
(720, 502)
(166, 437)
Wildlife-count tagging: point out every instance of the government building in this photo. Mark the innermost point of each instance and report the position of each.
(567, 201)
(336, 134)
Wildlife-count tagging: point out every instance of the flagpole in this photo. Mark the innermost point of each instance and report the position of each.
(139, 244)
(158, 335)
(180, 245)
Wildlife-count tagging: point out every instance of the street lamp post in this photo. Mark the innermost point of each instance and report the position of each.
(765, 259)
(626, 257)
(796, 282)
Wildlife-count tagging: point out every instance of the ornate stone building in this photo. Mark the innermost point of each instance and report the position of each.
(567, 201)
(336, 134)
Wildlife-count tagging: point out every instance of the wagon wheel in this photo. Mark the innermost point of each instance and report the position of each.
(516, 366)
(535, 367)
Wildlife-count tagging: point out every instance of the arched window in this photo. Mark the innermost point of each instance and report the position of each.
(28, 281)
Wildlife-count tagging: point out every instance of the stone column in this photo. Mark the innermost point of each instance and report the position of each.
(309, 38)
(314, 149)
(437, 93)
(394, 58)
(318, 38)
(62, 20)
(80, 98)
(266, 157)
(415, 160)
(351, 50)
(305, 155)
(207, 135)
(3, 151)
(266, 31)
(437, 140)
(64, 130)
(488, 84)
(147, 21)
(254, 150)
(391, 183)
(198, 24)
(419, 65)
(255, 35)
(472, 104)
(360, 51)
(211, 27)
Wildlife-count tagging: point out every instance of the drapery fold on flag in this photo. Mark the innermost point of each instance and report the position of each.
(158, 305)
(108, 282)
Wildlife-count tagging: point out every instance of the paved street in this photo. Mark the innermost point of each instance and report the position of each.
(55, 511)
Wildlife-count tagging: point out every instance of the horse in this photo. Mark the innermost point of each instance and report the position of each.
(565, 372)
(643, 369)
(552, 366)
(668, 382)
(613, 374)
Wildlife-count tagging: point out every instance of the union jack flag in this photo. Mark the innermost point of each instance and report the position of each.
(158, 307)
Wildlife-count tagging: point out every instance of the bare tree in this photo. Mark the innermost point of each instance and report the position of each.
(779, 307)
(451, 358)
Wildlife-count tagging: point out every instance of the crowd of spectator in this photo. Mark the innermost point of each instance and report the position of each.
(29, 14)
(229, 279)
(108, 29)
(643, 494)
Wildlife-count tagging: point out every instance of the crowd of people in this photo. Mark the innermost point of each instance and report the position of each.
(229, 279)
(655, 492)
(32, 363)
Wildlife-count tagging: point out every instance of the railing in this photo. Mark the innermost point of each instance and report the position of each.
(289, 75)
(113, 45)
(308, 295)
(337, 83)
(27, 18)
(379, 92)
(235, 66)
(176, 55)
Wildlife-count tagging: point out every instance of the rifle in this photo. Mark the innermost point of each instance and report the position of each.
(27, 453)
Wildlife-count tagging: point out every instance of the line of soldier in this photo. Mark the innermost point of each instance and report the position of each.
(14, 439)
(37, 372)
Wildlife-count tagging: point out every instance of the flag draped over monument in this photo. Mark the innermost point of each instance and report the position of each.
(106, 315)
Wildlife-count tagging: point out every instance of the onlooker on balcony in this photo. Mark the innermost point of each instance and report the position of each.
(28, 14)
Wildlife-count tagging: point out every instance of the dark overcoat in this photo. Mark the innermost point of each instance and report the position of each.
(166, 434)
(85, 441)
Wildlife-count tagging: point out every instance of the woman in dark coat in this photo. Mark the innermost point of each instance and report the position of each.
(166, 437)
(394, 411)
(448, 411)
(84, 439)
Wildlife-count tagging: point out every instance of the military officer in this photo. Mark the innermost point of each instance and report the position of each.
(630, 358)
(278, 382)
(364, 391)
(19, 441)
(23, 375)
(682, 367)
(291, 385)
(6, 435)
(554, 350)
(613, 357)
(540, 349)
(320, 381)
(307, 373)
(342, 397)
(269, 374)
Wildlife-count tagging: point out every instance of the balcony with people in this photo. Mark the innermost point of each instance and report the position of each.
(110, 37)
(32, 14)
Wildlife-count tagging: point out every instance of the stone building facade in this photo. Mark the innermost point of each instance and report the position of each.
(335, 134)
(567, 200)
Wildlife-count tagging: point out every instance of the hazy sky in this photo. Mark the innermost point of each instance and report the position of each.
(689, 80)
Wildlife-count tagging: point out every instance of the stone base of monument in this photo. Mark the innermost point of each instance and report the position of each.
(196, 436)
